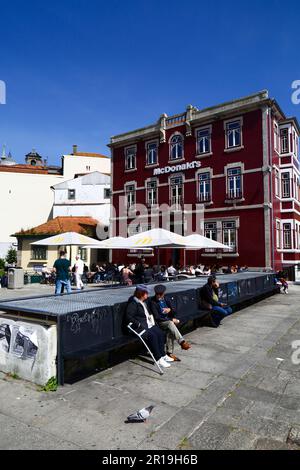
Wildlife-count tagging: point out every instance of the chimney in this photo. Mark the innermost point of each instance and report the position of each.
(74, 149)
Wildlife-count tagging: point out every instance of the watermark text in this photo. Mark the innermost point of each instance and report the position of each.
(296, 353)
(296, 93)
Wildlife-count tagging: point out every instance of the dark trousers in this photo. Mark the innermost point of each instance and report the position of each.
(155, 339)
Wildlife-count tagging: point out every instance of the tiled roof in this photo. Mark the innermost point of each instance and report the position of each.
(39, 169)
(87, 154)
(84, 225)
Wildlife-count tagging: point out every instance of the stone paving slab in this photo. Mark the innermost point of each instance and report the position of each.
(237, 388)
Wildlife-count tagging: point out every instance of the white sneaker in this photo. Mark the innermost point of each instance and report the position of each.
(163, 363)
(168, 358)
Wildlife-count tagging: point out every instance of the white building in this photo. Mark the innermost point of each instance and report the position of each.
(26, 197)
(84, 196)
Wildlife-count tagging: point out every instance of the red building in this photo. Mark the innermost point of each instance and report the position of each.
(238, 161)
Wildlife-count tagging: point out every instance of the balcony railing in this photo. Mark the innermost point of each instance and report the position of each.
(176, 201)
(176, 120)
(234, 194)
(204, 197)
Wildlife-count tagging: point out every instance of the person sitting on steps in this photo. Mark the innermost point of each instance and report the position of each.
(165, 318)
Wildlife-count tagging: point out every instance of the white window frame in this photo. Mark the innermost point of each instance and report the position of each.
(197, 131)
(289, 196)
(150, 142)
(230, 245)
(210, 231)
(219, 221)
(235, 195)
(148, 202)
(176, 200)
(278, 234)
(241, 144)
(176, 134)
(130, 204)
(288, 149)
(126, 156)
(284, 236)
(198, 174)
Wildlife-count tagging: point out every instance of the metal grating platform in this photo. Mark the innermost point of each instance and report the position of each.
(61, 305)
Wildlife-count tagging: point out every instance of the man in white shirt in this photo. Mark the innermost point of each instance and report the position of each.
(171, 270)
(79, 268)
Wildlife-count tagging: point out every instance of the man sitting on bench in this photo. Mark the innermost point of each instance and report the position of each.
(164, 316)
(210, 301)
(139, 316)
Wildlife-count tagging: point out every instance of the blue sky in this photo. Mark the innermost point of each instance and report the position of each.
(79, 71)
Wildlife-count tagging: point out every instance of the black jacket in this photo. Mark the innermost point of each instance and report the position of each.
(206, 295)
(156, 310)
(135, 314)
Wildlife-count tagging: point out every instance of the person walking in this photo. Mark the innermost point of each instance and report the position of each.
(62, 269)
(79, 268)
(126, 276)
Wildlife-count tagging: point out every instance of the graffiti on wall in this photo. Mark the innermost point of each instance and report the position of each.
(18, 340)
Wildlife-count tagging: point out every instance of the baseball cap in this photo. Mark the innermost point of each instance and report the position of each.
(142, 288)
(160, 289)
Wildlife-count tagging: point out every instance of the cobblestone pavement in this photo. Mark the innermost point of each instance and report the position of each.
(237, 388)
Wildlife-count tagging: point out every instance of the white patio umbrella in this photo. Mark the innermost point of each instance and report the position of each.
(198, 242)
(157, 237)
(114, 242)
(67, 239)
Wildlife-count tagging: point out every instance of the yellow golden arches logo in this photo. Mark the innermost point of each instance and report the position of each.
(59, 240)
(144, 241)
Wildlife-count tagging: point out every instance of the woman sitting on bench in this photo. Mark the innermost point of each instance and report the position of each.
(138, 314)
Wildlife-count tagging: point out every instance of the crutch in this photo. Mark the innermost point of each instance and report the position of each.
(140, 336)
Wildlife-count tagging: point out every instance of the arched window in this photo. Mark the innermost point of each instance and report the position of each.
(176, 147)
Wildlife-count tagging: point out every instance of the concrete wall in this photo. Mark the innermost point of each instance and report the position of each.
(76, 164)
(25, 260)
(26, 201)
(28, 350)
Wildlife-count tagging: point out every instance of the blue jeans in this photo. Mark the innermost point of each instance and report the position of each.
(218, 313)
(224, 311)
(59, 284)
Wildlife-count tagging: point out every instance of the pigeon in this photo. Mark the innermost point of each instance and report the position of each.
(140, 416)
